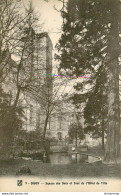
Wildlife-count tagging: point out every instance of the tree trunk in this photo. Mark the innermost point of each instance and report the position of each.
(45, 126)
(113, 130)
(1, 3)
(17, 97)
(112, 153)
(76, 135)
(103, 134)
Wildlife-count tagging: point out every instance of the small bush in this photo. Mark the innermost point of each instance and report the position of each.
(24, 171)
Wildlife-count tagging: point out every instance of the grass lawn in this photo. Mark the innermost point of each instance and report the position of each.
(9, 168)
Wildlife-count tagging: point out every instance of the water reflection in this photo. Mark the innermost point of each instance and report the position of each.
(66, 158)
(79, 158)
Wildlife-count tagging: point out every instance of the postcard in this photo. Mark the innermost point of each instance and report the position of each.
(60, 96)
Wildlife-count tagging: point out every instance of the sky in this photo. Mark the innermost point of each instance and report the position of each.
(50, 17)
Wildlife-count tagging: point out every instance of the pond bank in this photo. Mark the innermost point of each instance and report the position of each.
(45, 170)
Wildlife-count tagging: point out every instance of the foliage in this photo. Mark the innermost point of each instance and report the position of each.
(95, 111)
(10, 118)
(83, 50)
(90, 45)
(76, 131)
(82, 39)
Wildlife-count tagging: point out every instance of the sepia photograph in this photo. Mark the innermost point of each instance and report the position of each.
(60, 95)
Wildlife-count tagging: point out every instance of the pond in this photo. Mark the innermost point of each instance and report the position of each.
(69, 158)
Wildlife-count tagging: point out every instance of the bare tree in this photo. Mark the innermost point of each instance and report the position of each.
(17, 31)
(54, 92)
